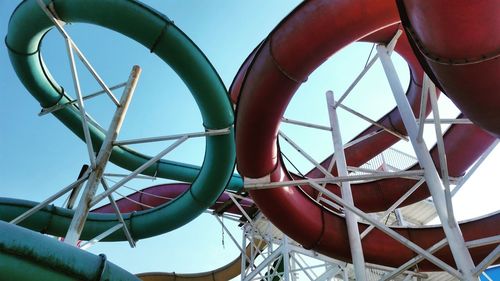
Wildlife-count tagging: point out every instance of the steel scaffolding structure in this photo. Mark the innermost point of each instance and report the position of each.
(273, 255)
(440, 187)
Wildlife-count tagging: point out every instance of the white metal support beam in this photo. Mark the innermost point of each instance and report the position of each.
(367, 67)
(487, 276)
(476, 165)
(442, 152)
(306, 155)
(305, 124)
(351, 218)
(373, 122)
(390, 275)
(394, 206)
(272, 257)
(89, 96)
(101, 236)
(137, 171)
(112, 201)
(412, 174)
(81, 106)
(49, 200)
(243, 253)
(487, 261)
(460, 253)
(403, 240)
(285, 254)
(215, 132)
(423, 107)
(97, 172)
(72, 45)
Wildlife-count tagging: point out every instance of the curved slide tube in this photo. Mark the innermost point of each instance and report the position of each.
(159, 194)
(280, 65)
(28, 25)
(153, 196)
(25, 255)
(386, 191)
(223, 273)
(141, 222)
(467, 70)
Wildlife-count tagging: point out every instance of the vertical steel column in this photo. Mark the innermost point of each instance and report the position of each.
(399, 217)
(243, 266)
(286, 259)
(358, 259)
(346, 274)
(453, 234)
(293, 267)
(83, 208)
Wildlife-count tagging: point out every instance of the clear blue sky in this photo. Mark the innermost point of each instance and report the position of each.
(39, 155)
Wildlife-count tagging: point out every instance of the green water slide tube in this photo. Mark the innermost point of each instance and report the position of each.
(26, 255)
(28, 25)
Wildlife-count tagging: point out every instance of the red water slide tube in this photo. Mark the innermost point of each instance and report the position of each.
(157, 195)
(283, 61)
(459, 44)
(377, 195)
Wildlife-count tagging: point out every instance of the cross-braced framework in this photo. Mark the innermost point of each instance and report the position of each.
(266, 253)
(94, 175)
(274, 256)
(439, 184)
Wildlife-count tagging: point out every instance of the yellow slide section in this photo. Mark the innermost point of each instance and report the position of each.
(223, 273)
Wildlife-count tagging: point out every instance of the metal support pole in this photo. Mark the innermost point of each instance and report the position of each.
(126, 231)
(488, 260)
(243, 253)
(395, 205)
(351, 218)
(423, 107)
(293, 269)
(305, 269)
(411, 174)
(215, 132)
(286, 258)
(329, 273)
(243, 267)
(463, 121)
(441, 150)
(390, 275)
(273, 256)
(250, 221)
(305, 124)
(59, 27)
(373, 122)
(399, 217)
(307, 156)
(453, 234)
(101, 236)
(95, 177)
(49, 200)
(487, 276)
(346, 274)
(93, 95)
(367, 67)
(471, 171)
(137, 171)
(81, 107)
(403, 240)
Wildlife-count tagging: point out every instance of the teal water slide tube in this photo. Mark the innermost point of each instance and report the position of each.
(27, 255)
(27, 27)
